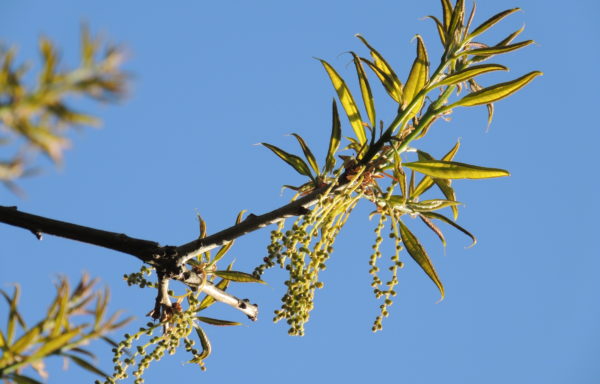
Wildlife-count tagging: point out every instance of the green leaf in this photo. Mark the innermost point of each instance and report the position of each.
(434, 215)
(14, 316)
(202, 225)
(204, 342)
(19, 379)
(440, 28)
(297, 163)
(454, 170)
(384, 72)
(307, 153)
(447, 12)
(458, 16)
(496, 92)
(417, 252)
(347, 101)
(28, 339)
(63, 304)
(3, 345)
(491, 22)
(240, 277)
(85, 364)
(496, 50)
(506, 41)
(53, 344)
(419, 74)
(217, 322)
(431, 205)
(469, 73)
(334, 140)
(209, 300)
(365, 90)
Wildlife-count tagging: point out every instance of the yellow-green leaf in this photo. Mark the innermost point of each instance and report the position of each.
(431, 205)
(454, 170)
(469, 73)
(217, 322)
(440, 28)
(240, 277)
(19, 379)
(506, 41)
(491, 22)
(347, 101)
(434, 228)
(496, 50)
(52, 344)
(307, 153)
(447, 12)
(496, 92)
(27, 340)
(419, 74)
(417, 252)
(334, 140)
(204, 342)
(434, 215)
(384, 72)
(365, 90)
(297, 163)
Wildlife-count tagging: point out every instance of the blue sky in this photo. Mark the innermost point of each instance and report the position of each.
(212, 79)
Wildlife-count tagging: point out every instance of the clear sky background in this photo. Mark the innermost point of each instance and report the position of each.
(210, 79)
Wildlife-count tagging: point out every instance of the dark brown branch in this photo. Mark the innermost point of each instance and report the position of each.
(145, 250)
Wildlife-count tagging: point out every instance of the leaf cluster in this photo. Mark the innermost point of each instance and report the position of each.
(60, 333)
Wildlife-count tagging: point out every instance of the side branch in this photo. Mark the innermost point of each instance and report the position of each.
(142, 249)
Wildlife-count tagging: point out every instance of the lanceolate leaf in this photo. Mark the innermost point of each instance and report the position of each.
(204, 342)
(431, 205)
(85, 364)
(385, 72)
(240, 277)
(434, 228)
(417, 252)
(55, 343)
(447, 11)
(297, 163)
(506, 41)
(419, 74)
(26, 341)
(469, 73)
(440, 28)
(496, 92)
(365, 90)
(347, 101)
(334, 140)
(307, 153)
(19, 379)
(496, 50)
(491, 21)
(454, 170)
(217, 322)
(434, 215)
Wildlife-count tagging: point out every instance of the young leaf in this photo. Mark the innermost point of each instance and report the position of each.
(469, 73)
(491, 21)
(347, 101)
(419, 74)
(52, 344)
(454, 170)
(506, 41)
(27, 340)
(365, 90)
(434, 228)
(434, 215)
(19, 379)
(240, 277)
(496, 92)
(440, 28)
(204, 342)
(307, 153)
(297, 163)
(496, 50)
(447, 11)
(334, 140)
(217, 322)
(417, 252)
(384, 72)
(431, 205)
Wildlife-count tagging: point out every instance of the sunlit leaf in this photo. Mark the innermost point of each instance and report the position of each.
(240, 277)
(347, 101)
(430, 205)
(417, 252)
(435, 215)
(506, 41)
(458, 15)
(496, 92)
(27, 340)
(491, 22)
(204, 342)
(454, 170)
(447, 12)
(365, 90)
(419, 74)
(52, 344)
(496, 50)
(384, 72)
(297, 163)
(202, 225)
(469, 73)
(307, 153)
(217, 322)
(334, 140)
(440, 28)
